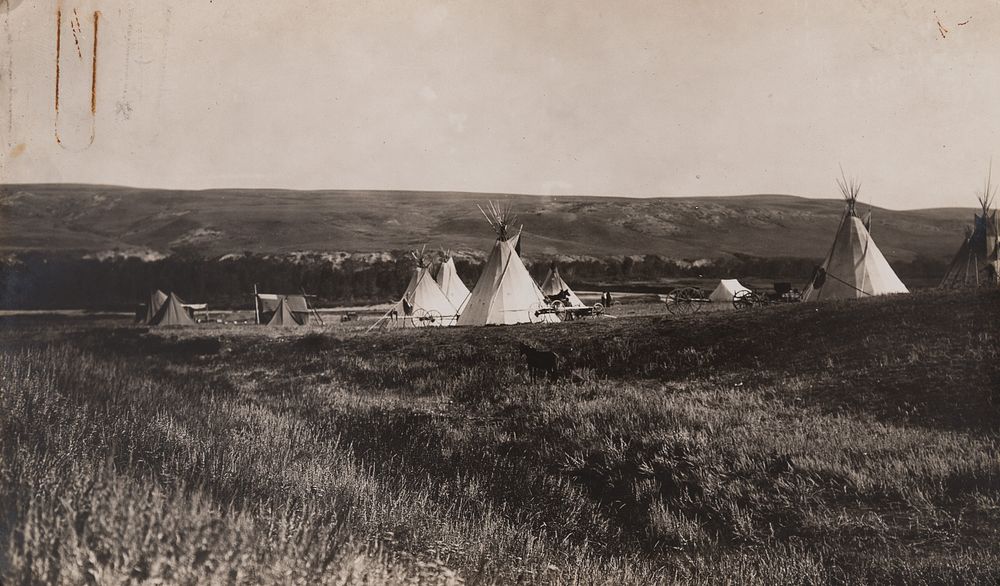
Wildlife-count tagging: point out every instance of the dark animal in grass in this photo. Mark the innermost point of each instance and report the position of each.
(540, 362)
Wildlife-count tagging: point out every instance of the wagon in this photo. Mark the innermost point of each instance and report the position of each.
(563, 310)
(426, 317)
(782, 293)
(685, 301)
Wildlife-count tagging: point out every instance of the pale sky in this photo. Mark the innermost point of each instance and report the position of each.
(653, 98)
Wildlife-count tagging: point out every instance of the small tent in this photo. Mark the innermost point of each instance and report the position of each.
(284, 316)
(505, 292)
(452, 286)
(148, 311)
(173, 312)
(977, 259)
(270, 305)
(854, 267)
(726, 290)
(554, 285)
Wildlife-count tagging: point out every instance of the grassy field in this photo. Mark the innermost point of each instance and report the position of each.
(804, 444)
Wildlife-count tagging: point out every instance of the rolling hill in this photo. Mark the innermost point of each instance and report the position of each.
(96, 218)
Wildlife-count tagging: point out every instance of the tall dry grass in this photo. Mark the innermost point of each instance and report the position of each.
(794, 445)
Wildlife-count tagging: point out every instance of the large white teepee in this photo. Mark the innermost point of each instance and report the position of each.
(452, 286)
(424, 303)
(726, 290)
(554, 285)
(505, 292)
(855, 267)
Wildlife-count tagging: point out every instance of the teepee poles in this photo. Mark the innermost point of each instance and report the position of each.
(256, 304)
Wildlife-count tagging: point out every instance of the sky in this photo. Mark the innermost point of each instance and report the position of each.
(580, 97)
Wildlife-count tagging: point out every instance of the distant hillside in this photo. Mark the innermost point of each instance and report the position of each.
(94, 218)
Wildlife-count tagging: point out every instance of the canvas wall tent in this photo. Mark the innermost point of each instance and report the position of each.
(854, 267)
(978, 258)
(452, 286)
(505, 292)
(270, 304)
(174, 312)
(726, 290)
(553, 284)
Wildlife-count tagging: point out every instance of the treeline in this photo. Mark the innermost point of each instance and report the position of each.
(54, 281)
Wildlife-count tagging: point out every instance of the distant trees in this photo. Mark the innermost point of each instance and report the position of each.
(47, 281)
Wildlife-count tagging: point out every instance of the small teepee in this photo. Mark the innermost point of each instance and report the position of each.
(505, 292)
(554, 285)
(424, 303)
(978, 258)
(452, 286)
(855, 267)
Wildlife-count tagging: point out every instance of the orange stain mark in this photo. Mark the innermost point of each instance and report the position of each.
(58, 51)
(93, 69)
(18, 150)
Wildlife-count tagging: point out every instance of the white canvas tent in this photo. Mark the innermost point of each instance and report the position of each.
(553, 284)
(854, 267)
(452, 286)
(505, 292)
(726, 290)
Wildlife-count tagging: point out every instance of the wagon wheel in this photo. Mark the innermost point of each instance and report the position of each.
(744, 300)
(419, 318)
(672, 303)
(598, 308)
(556, 305)
(694, 297)
(433, 317)
(535, 312)
(683, 303)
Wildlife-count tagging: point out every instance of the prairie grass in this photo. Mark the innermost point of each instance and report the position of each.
(817, 444)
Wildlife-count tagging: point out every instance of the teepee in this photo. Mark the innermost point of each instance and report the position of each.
(554, 285)
(452, 286)
(978, 258)
(855, 267)
(424, 303)
(505, 292)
